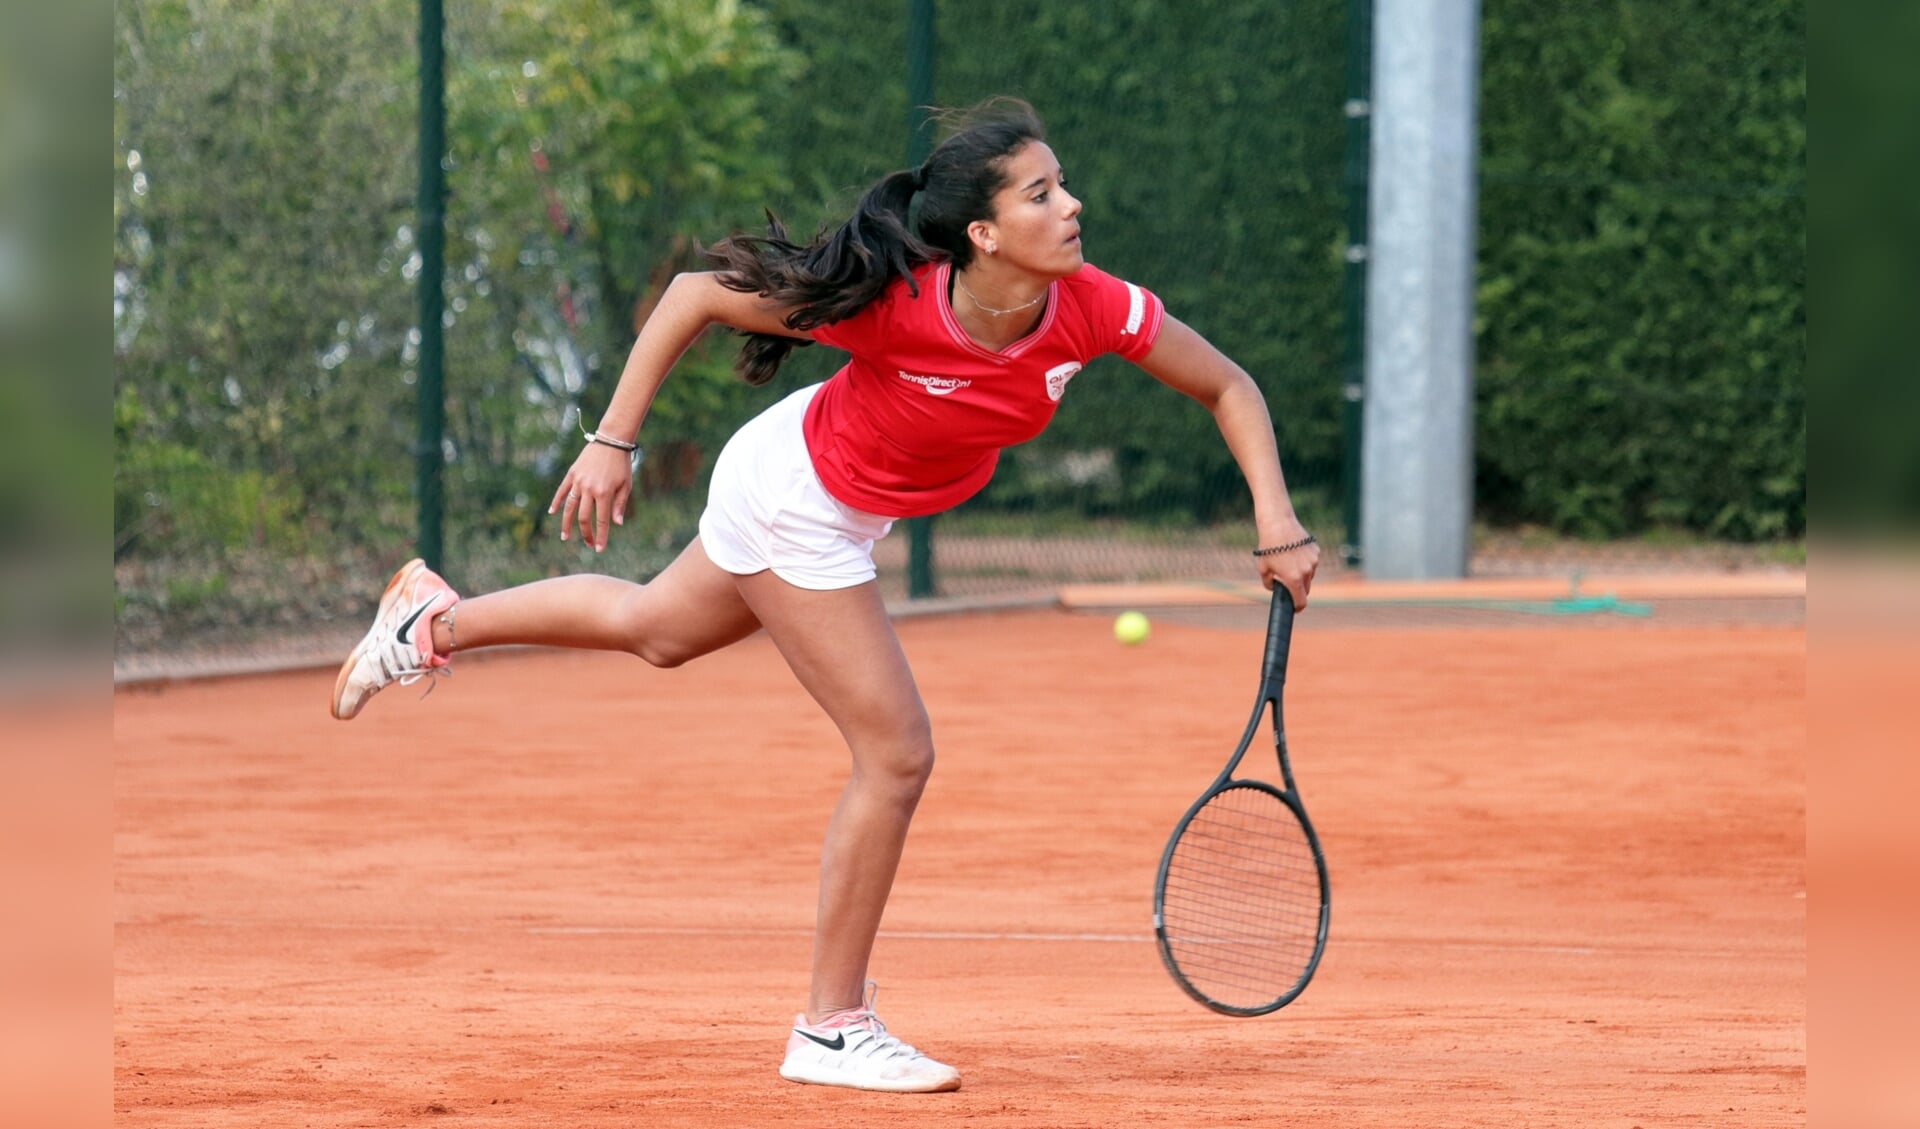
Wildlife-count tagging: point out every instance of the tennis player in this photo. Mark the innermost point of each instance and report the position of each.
(965, 329)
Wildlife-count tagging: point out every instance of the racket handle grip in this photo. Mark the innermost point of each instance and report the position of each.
(1273, 668)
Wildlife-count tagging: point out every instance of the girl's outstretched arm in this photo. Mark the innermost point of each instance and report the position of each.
(1183, 360)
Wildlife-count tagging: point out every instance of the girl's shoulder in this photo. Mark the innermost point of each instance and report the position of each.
(916, 285)
(1094, 289)
(907, 302)
(1120, 316)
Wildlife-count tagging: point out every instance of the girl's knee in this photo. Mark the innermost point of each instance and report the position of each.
(901, 763)
(916, 765)
(912, 766)
(661, 653)
(640, 630)
(668, 628)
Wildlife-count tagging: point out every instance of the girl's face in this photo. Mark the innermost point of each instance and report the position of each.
(1036, 221)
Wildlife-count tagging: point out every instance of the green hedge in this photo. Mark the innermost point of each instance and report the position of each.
(1641, 306)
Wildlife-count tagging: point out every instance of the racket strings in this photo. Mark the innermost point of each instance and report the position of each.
(1241, 905)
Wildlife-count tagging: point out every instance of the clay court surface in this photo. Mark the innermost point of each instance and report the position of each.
(572, 890)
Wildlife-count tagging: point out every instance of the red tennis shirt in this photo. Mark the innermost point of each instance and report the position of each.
(914, 423)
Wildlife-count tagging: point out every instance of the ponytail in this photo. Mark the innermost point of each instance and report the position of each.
(829, 280)
(840, 272)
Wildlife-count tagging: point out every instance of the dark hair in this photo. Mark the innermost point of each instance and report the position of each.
(836, 275)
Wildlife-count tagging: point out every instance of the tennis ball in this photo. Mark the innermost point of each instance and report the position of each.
(1131, 628)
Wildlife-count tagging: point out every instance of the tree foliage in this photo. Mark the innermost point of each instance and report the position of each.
(265, 256)
(256, 190)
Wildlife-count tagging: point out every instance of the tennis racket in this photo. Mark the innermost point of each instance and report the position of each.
(1240, 905)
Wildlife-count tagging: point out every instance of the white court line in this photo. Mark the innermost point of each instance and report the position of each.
(1336, 940)
(1148, 939)
(891, 934)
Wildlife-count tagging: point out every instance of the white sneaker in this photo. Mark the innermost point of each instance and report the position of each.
(399, 646)
(857, 1052)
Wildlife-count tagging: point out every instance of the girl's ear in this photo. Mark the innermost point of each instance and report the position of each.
(981, 233)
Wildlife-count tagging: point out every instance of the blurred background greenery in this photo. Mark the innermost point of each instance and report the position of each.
(53, 373)
(1641, 319)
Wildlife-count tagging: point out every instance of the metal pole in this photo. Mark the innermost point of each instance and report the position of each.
(1359, 114)
(431, 408)
(1418, 445)
(919, 144)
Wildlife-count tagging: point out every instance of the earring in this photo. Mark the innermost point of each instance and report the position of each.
(991, 248)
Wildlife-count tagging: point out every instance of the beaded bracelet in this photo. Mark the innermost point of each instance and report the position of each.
(1309, 539)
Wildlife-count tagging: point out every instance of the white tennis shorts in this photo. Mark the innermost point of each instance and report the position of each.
(766, 508)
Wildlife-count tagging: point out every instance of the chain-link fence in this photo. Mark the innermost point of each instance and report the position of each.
(264, 480)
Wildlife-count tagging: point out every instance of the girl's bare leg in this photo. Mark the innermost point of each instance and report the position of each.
(691, 609)
(840, 645)
(843, 649)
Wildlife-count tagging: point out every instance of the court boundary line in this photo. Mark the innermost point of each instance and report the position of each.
(1456, 944)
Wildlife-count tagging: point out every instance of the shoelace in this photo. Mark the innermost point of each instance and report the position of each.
(407, 675)
(879, 1044)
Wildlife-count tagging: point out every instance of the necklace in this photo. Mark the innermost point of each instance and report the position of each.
(986, 309)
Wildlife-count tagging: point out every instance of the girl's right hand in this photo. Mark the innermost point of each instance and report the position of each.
(595, 490)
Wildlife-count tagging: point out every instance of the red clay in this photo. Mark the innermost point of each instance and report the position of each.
(1568, 881)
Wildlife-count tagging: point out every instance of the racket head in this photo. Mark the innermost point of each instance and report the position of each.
(1240, 906)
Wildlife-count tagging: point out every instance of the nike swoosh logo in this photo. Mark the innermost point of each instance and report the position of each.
(406, 625)
(839, 1042)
